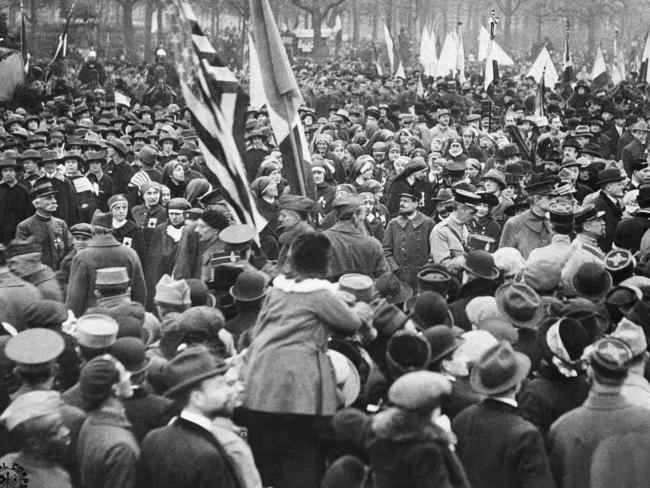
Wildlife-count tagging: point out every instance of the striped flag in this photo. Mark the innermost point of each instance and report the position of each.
(214, 97)
(540, 109)
(62, 47)
(599, 74)
(568, 74)
(283, 98)
(644, 72)
(396, 66)
(618, 66)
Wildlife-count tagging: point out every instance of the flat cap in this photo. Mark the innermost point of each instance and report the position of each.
(419, 390)
(297, 203)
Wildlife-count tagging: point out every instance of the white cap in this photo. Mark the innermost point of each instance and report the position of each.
(161, 52)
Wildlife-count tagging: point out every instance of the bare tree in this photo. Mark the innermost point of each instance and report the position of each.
(318, 9)
(509, 8)
(127, 24)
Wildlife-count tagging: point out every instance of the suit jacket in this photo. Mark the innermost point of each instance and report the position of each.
(612, 217)
(631, 153)
(525, 232)
(184, 455)
(603, 443)
(500, 449)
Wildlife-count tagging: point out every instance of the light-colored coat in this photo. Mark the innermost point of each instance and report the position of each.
(288, 369)
(526, 232)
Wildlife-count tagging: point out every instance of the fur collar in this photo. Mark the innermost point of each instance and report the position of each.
(309, 285)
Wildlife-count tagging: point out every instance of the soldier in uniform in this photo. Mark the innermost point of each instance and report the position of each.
(448, 239)
(52, 233)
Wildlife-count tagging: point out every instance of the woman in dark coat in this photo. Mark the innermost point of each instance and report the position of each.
(74, 164)
(163, 247)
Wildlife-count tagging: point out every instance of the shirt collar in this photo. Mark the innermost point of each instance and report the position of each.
(197, 419)
(509, 401)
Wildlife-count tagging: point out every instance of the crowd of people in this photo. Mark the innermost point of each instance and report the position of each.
(464, 302)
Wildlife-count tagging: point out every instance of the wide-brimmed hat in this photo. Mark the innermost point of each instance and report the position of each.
(481, 264)
(592, 281)
(348, 380)
(520, 305)
(499, 369)
(388, 286)
(442, 342)
(118, 145)
(191, 366)
(251, 285)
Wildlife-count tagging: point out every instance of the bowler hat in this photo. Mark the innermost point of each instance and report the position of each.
(191, 366)
(130, 351)
(407, 351)
(520, 305)
(610, 175)
(499, 369)
(481, 264)
(592, 281)
(442, 342)
(250, 285)
(388, 286)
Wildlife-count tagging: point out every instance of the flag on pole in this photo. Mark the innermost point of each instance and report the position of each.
(543, 68)
(644, 73)
(460, 55)
(618, 68)
(448, 58)
(568, 75)
(428, 56)
(599, 74)
(218, 106)
(394, 59)
(23, 38)
(491, 64)
(62, 47)
(540, 110)
(283, 98)
(380, 70)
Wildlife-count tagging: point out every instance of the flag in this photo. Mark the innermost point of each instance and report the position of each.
(122, 99)
(448, 58)
(62, 47)
(428, 56)
(394, 59)
(599, 74)
(644, 73)
(498, 53)
(491, 62)
(23, 38)
(380, 70)
(460, 55)
(283, 98)
(543, 68)
(218, 106)
(540, 110)
(618, 68)
(568, 75)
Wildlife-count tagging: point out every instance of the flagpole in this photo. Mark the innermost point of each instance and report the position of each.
(294, 147)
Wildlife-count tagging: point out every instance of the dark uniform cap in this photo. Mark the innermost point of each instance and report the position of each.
(34, 349)
(214, 196)
(42, 190)
(466, 197)
(561, 213)
(587, 213)
(297, 203)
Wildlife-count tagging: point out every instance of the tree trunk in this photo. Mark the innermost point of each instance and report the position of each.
(148, 14)
(160, 35)
(591, 34)
(319, 46)
(127, 26)
(33, 16)
(355, 22)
